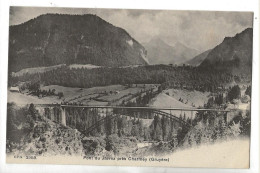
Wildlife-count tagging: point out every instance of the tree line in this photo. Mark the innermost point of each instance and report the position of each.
(186, 77)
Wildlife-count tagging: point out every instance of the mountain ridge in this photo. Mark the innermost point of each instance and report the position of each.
(233, 54)
(53, 39)
(160, 52)
(197, 60)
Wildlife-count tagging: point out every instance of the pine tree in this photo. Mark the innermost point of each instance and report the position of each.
(248, 91)
(141, 128)
(33, 112)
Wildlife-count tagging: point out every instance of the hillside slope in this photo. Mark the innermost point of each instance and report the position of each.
(54, 39)
(233, 54)
(197, 60)
(164, 101)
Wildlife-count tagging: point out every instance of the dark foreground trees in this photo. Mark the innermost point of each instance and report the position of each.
(248, 91)
(20, 121)
(234, 93)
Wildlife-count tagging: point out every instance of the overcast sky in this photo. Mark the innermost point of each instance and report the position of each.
(201, 30)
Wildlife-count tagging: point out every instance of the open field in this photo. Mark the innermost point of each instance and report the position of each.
(104, 95)
(163, 100)
(195, 98)
(78, 94)
(86, 66)
(70, 92)
(36, 70)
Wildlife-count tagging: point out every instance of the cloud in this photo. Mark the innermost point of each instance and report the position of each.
(201, 30)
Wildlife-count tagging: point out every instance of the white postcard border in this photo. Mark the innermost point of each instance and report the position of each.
(220, 5)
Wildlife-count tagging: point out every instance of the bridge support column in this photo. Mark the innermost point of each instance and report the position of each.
(63, 116)
(227, 117)
(52, 114)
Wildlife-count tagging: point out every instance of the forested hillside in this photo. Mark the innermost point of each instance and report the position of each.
(184, 77)
(54, 39)
(234, 54)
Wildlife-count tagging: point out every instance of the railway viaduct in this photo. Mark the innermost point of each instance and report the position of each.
(75, 115)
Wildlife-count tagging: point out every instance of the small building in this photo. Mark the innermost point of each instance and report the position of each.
(219, 88)
(14, 89)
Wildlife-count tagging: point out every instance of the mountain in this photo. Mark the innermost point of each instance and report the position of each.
(53, 39)
(183, 53)
(197, 60)
(159, 52)
(234, 53)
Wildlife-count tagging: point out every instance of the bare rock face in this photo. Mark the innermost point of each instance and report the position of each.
(53, 39)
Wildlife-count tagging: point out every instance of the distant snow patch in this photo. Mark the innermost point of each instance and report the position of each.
(87, 66)
(130, 42)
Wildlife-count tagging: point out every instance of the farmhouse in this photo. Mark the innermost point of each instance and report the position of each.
(14, 89)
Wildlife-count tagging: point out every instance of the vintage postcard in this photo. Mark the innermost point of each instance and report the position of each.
(129, 87)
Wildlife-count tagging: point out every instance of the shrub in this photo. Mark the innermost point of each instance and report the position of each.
(58, 140)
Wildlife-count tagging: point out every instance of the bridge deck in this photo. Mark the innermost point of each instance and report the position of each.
(146, 108)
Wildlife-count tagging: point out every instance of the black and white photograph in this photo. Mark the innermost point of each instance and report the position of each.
(129, 87)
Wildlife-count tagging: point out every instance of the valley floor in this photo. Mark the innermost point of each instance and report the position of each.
(102, 95)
